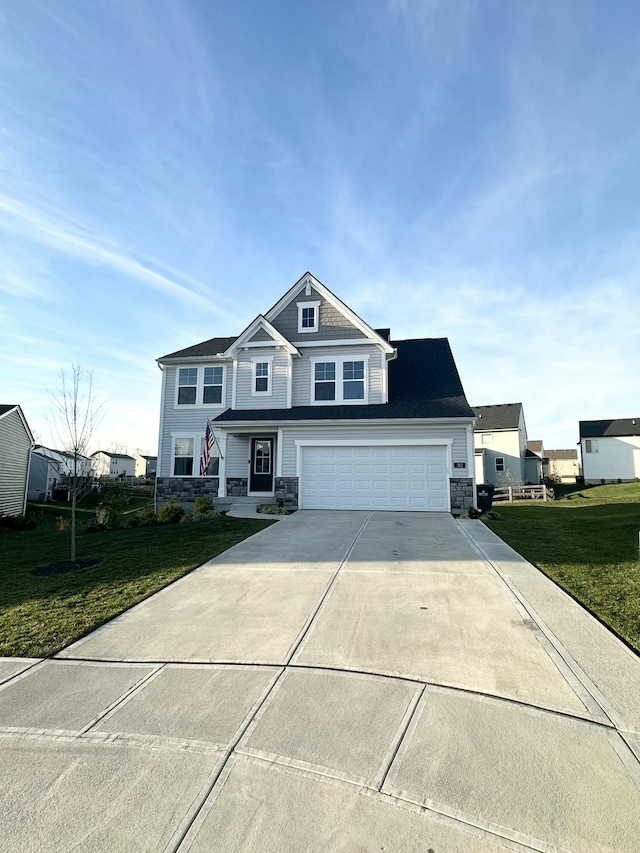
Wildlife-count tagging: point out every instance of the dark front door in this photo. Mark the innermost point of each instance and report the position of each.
(261, 474)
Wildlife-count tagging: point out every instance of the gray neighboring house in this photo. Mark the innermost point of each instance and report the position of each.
(146, 466)
(16, 442)
(610, 450)
(500, 438)
(534, 462)
(313, 408)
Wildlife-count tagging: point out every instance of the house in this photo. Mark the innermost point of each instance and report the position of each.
(112, 465)
(312, 408)
(534, 462)
(146, 466)
(16, 442)
(562, 466)
(610, 450)
(53, 469)
(500, 441)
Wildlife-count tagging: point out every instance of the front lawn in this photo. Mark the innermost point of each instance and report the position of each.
(587, 542)
(41, 614)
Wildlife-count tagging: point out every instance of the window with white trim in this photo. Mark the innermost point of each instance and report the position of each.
(499, 463)
(212, 385)
(187, 385)
(324, 380)
(308, 316)
(590, 445)
(261, 370)
(353, 380)
(340, 380)
(183, 457)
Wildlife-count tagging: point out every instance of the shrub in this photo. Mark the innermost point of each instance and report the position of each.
(17, 522)
(170, 513)
(115, 510)
(146, 517)
(202, 508)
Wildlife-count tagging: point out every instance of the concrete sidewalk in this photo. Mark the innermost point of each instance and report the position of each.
(339, 681)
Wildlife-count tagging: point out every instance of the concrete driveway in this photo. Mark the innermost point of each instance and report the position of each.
(341, 681)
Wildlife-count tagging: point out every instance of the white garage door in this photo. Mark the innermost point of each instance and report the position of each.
(405, 477)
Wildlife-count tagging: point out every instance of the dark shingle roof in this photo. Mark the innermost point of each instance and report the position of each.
(502, 416)
(211, 347)
(114, 455)
(7, 408)
(423, 383)
(561, 454)
(617, 426)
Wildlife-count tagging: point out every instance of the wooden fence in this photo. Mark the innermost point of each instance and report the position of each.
(523, 493)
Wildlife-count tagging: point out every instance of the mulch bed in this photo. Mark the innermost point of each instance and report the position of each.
(65, 566)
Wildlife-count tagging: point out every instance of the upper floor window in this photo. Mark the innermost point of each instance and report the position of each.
(212, 388)
(353, 380)
(261, 379)
(499, 463)
(187, 383)
(308, 316)
(590, 445)
(339, 381)
(325, 380)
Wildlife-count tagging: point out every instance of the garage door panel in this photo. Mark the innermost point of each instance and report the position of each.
(396, 477)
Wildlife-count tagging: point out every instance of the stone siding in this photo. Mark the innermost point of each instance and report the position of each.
(237, 487)
(185, 490)
(286, 489)
(461, 491)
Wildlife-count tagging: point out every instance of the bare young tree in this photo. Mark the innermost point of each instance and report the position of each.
(75, 415)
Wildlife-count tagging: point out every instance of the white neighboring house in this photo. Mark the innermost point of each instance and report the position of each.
(313, 408)
(610, 450)
(51, 468)
(500, 440)
(146, 466)
(16, 442)
(534, 462)
(562, 466)
(113, 465)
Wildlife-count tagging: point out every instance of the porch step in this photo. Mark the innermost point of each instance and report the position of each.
(248, 507)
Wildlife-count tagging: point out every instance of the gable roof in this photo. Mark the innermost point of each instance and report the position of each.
(423, 383)
(500, 416)
(6, 408)
(337, 303)
(615, 427)
(535, 446)
(276, 337)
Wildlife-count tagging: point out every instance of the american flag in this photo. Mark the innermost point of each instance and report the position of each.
(209, 441)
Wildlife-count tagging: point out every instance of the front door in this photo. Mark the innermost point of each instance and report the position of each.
(261, 474)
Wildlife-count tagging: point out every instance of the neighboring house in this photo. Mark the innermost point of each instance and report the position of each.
(16, 442)
(500, 440)
(146, 466)
(610, 450)
(112, 465)
(534, 462)
(52, 469)
(314, 409)
(562, 466)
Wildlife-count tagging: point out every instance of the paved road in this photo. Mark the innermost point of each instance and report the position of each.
(340, 681)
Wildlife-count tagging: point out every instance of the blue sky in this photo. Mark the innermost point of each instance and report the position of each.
(464, 168)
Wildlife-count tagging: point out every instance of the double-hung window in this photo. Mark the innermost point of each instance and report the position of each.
(212, 388)
(308, 316)
(499, 463)
(325, 380)
(353, 380)
(261, 376)
(339, 381)
(183, 457)
(213, 468)
(187, 384)
(591, 445)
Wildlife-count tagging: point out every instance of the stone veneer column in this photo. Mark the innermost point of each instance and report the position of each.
(461, 491)
(286, 489)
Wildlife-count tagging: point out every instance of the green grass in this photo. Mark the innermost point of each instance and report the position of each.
(587, 542)
(39, 615)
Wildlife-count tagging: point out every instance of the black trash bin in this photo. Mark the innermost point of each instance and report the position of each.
(484, 493)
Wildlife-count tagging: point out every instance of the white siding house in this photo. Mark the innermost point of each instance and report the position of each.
(113, 465)
(610, 450)
(16, 442)
(313, 408)
(500, 441)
